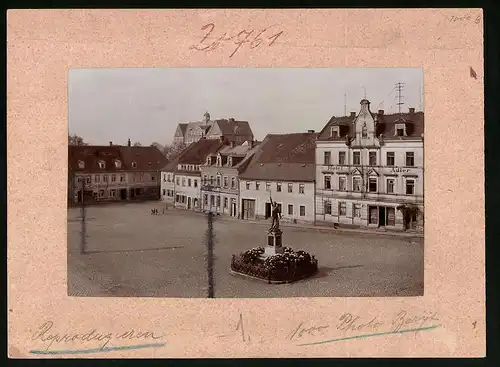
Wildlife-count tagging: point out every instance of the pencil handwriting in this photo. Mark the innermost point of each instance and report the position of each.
(253, 38)
(476, 20)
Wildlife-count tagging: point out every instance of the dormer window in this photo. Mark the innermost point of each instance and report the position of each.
(400, 129)
(209, 161)
(118, 164)
(134, 165)
(102, 164)
(230, 161)
(81, 164)
(219, 161)
(334, 132)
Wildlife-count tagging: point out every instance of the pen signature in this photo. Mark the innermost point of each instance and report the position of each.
(254, 38)
(454, 19)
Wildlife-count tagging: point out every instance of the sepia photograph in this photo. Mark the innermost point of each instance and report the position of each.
(245, 182)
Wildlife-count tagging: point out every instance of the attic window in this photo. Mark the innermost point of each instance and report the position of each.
(209, 160)
(134, 165)
(81, 164)
(230, 161)
(219, 161)
(102, 164)
(118, 164)
(334, 132)
(400, 130)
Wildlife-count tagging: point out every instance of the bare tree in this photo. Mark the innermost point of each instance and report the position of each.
(172, 150)
(75, 140)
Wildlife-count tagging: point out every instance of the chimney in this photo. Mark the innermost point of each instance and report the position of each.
(128, 143)
(353, 114)
(380, 112)
(110, 143)
(412, 110)
(310, 131)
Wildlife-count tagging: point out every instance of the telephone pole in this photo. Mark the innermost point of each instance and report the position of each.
(399, 96)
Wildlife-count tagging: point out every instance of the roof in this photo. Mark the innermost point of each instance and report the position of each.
(183, 127)
(284, 157)
(385, 126)
(232, 127)
(195, 153)
(145, 158)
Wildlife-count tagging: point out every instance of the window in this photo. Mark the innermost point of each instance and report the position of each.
(79, 180)
(177, 180)
(233, 182)
(168, 177)
(364, 131)
(372, 158)
(211, 180)
(278, 186)
(225, 202)
(205, 179)
(230, 161)
(400, 132)
(164, 177)
(153, 177)
(102, 164)
(390, 186)
(290, 187)
(97, 178)
(372, 184)
(356, 158)
(342, 184)
(101, 193)
(122, 178)
(342, 158)
(410, 187)
(334, 131)
(195, 182)
(342, 209)
(218, 201)
(357, 210)
(247, 185)
(118, 164)
(279, 208)
(205, 199)
(218, 181)
(328, 158)
(225, 181)
(104, 178)
(290, 209)
(212, 200)
(301, 188)
(164, 192)
(328, 207)
(183, 181)
(257, 186)
(177, 200)
(81, 164)
(88, 179)
(410, 159)
(219, 162)
(390, 158)
(356, 184)
(112, 193)
(134, 165)
(302, 211)
(268, 186)
(328, 183)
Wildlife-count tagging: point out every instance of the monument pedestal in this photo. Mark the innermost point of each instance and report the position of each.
(274, 243)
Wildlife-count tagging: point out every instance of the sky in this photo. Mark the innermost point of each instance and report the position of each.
(146, 104)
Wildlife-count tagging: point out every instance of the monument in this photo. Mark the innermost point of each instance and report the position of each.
(274, 262)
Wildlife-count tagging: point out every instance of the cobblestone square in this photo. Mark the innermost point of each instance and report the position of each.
(131, 253)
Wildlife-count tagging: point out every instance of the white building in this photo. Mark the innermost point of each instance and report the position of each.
(369, 170)
(220, 181)
(282, 169)
(181, 178)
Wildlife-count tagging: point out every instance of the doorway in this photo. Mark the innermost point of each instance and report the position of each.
(381, 216)
(189, 202)
(123, 194)
(248, 209)
(79, 197)
(268, 210)
(233, 208)
(132, 193)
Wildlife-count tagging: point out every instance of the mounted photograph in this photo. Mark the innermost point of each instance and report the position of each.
(245, 182)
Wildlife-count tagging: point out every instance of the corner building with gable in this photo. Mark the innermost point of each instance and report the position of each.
(370, 170)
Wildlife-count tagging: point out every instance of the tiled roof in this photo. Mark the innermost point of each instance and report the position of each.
(145, 158)
(385, 126)
(231, 128)
(195, 153)
(285, 157)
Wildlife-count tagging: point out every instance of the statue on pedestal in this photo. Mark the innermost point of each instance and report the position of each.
(275, 215)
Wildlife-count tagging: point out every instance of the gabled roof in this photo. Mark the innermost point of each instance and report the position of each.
(145, 158)
(195, 153)
(284, 157)
(232, 127)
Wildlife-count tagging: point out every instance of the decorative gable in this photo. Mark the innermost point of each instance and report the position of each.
(372, 172)
(355, 171)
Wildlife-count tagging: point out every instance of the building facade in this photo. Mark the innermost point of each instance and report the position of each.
(220, 178)
(281, 170)
(181, 178)
(232, 130)
(369, 170)
(113, 173)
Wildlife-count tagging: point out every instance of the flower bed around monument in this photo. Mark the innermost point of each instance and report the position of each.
(288, 266)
